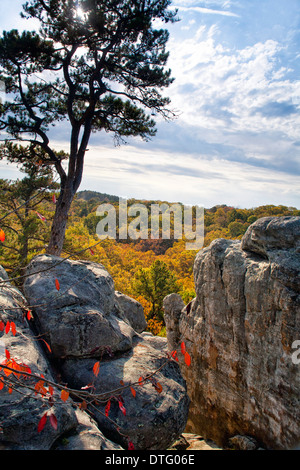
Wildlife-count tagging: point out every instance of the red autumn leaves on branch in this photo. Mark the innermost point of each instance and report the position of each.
(187, 357)
(43, 420)
(9, 326)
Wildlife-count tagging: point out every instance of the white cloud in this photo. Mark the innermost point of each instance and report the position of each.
(222, 90)
(204, 181)
(205, 10)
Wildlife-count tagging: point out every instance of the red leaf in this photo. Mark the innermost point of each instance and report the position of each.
(141, 380)
(158, 387)
(7, 354)
(1, 384)
(91, 251)
(174, 355)
(54, 198)
(2, 326)
(39, 388)
(13, 328)
(187, 359)
(53, 421)
(48, 347)
(8, 364)
(57, 285)
(107, 408)
(40, 216)
(42, 422)
(183, 350)
(2, 235)
(130, 445)
(7, 327)
(24, 368)
(64, 395)
(29, 315)
(133, 391)
(96, 368)
(83, 405)
(122, 407)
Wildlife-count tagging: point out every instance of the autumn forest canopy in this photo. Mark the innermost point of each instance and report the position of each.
(144, 269)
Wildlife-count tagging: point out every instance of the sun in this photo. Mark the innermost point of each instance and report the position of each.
(80, 13)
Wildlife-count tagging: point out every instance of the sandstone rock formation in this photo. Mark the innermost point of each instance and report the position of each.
(240, 330)
(83, 320)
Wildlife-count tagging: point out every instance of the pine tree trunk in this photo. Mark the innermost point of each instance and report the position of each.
(59, 223)
(69, 186)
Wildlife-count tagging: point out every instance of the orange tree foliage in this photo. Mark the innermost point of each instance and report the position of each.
(123, 259)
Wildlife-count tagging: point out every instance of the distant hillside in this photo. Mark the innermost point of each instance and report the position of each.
(87, 195)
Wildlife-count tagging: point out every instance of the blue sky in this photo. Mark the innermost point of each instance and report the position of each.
(236, 140)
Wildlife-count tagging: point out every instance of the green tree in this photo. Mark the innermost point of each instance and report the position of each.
(20, 202)
(236, 229)
(154, 284)
(99, 65)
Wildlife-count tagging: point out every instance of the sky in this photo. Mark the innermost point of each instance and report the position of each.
(236, 139)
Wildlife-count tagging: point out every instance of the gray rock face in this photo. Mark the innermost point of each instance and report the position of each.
(86, 321)
(272, 233)
(81, 317)
(85, 436)
(132, 311)
(20, 412)
(240, 330)
(154, 417)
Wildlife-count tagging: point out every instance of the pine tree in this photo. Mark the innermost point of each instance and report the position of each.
(154, 284)
(19, 205)
(99, 65)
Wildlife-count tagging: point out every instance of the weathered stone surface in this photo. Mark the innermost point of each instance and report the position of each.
(153, 419)
(132, 311)
(81, 318)
(87, 321)
(86, 436)
(272, 233)
(239, 330)
(243, 443)
(20, 411)
(190, 441)
(173, 305)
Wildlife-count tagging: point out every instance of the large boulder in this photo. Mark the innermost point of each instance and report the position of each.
(133, 311)
(155, 411)
(21, 410)
(272, 233)
(241, 330)
(85, 321)
(82, 317)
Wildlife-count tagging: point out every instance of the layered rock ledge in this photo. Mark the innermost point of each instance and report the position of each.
(241, 331)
